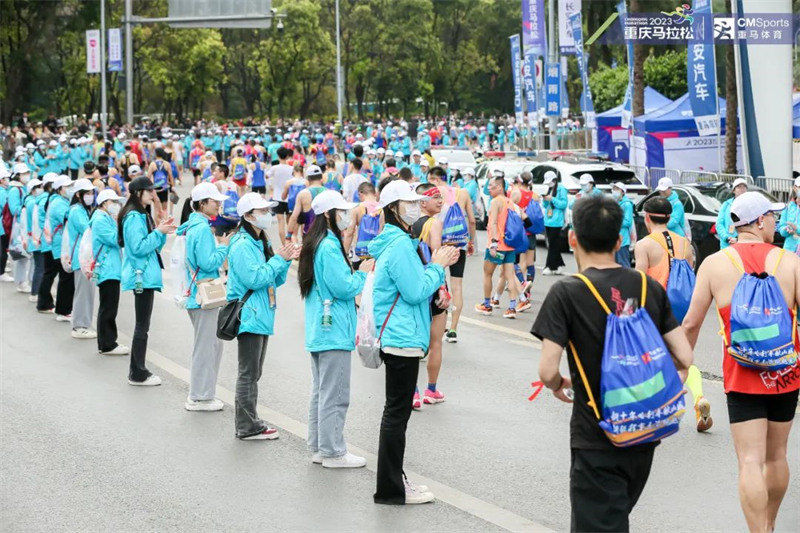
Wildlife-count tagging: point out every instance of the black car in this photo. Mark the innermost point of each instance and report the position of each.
(701, 203)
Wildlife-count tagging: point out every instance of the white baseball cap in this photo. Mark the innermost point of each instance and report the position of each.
(741, 181)
(389, 153)
(797, 181)
(416, 152)
(134, 170)
(549, 177)
(664, 184)
(424, 163)
(206, 190)
(442, 161)
(106, 195)
(327, 200)
(398, 190)
(749, 206)
(252, 200)
(586, 179)
(621, 186)
(20, 168)
(35, 182)
(313, 170)
(61, 181)
(4, 173)
(53, 143)
(49, 177)
(82, 184)
(381, 150)
(469, 171)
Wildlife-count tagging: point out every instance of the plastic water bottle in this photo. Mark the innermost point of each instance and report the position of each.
(327, 318)
(139, 284)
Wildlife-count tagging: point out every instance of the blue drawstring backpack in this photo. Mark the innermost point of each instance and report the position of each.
(238, 171)
(229, 206)
(641, 394)
(514, 235)
(536, 217)
(680, 283)
(763, 328)
(206, 173)
(454, 226)
(291, 197)
(160, 176)
(368, 229)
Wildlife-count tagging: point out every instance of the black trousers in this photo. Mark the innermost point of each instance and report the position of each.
(38, 272)
(4, 240)
(64, 291)
(107, 315)
(73, 173)
(252, 349)
(554, 259)
(143, 309)
(604, 486)
(401, 380)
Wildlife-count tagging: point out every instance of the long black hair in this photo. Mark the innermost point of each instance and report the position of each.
(253, 232)
(77, 198)
(319, 229)
(134, 203)
(390, 216)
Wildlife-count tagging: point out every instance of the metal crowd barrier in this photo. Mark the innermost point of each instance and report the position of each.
(656, 173)
(729, 178)
(780, 188)
(698, 176)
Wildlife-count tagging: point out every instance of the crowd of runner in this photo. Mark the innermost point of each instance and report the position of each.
(370, 217)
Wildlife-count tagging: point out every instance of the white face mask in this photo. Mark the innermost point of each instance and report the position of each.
(343, 220)
(88, 198)
(616, 194)
(263, 221)
(412, 213)
(114, 208)
(586, 188)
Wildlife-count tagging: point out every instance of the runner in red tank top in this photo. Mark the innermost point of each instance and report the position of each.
(761, 404)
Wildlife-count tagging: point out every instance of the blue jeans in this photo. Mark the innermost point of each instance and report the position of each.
(623, 256)
(330, 398)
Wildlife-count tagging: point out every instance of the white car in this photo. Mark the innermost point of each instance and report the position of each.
(457, 158)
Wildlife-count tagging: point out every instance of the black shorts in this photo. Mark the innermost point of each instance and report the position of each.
(435, 310)
(774, 407)
(163, 195)
(531, 242)
(281, 209)
(457, 268)
(260, 189)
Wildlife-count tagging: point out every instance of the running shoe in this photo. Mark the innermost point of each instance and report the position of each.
(483, 309)
(267, 434)
(523, 306)
(560, 271)
(495, 302)
(416, 404)
(47, 311)
(63, 318)
(348, 460)
(451, 336)
(510, 313)
(526, 287)
(432, 397)
(702, 410)
(547, 272)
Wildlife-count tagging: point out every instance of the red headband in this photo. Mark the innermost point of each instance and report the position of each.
(433, 191)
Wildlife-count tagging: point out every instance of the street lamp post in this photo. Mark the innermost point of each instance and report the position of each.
(339, 80)
(103, 107)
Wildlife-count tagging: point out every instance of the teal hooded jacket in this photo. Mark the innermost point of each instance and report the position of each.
(77, 222)
(203, 256)
(333, 280)
(141, 252)
(105, 247)
(399, 270)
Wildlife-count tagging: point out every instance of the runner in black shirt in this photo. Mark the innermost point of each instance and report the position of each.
(605, 481)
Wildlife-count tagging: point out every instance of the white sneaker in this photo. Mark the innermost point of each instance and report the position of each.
(348, 460)
(414, 496)
(267, 434)
(6, 278)
(547, 272)
(63, 318)
(560, 271)
(418, 488)
(84, 333)
(151, 381)
(23, 287)
(203, 405)
(33, 298)
(316, 458)
(121, 349)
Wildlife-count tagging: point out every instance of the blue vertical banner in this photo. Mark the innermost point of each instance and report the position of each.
(701, 72)
(529, 82)
(627, 103)
(564, 93)
(114, 50)
(552, 77)
(566, 41)
(587, 105)
(533, 34)
(516, 73)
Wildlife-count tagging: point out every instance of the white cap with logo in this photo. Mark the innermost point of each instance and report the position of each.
(664, 184)
(253, 200)
(313, 170)
(750, 205)
(106, 195)
(327, 200)
(205, 191)
(134, 170)
(399, 190)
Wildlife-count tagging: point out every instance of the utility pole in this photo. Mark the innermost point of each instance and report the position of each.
(128, 64)
(103, 108)
(339, 81)
(552, 54)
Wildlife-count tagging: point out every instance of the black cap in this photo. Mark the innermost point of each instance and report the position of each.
(142, 183)
(658, 205)
(88, 167)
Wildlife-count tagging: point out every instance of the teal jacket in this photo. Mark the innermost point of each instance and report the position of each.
(105, 247)
(30, 203)
(555, 208)
(42, 202)
(58, 210)
(627, 220)
(333, 280)
(399, 270)
(790, 215)
(249, 271)
(676, 220)
(141, 252)
(203, 255)
(3, 200)
(77, 222)
(15, 194)
(724, 225)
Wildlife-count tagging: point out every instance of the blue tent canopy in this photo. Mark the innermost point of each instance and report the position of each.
(653, 100)
(676, 116)
(796, 116)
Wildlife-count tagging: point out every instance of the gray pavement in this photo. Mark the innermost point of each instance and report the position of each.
(82, 450)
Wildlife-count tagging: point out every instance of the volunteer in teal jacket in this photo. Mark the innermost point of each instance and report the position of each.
(402, 282)
(790, 220)
(623, 255)
(107, 270)
(204, 258)
(676, 222)
(77, 223)
(16, 194)
(726, 233)
(554, 204)
(253, 266)
(142, 241)
(329, 287)
(55, 212)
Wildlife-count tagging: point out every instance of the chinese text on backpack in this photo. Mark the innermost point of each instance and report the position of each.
(763, 328)
(641, 394)
(514, 234)
(368, 228)
(680, 283)
(454, 226)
